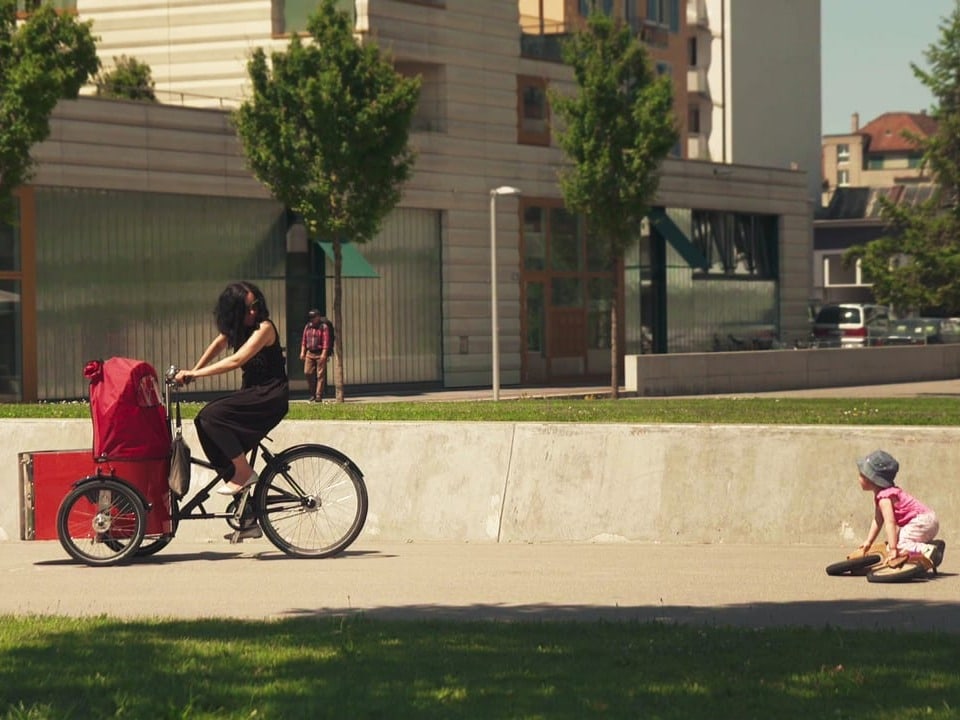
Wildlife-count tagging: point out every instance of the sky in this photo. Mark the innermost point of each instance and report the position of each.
(866, 50)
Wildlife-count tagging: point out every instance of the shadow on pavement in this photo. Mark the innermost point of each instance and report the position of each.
(872, 614)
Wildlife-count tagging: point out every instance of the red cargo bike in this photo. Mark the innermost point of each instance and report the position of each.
(310, 501)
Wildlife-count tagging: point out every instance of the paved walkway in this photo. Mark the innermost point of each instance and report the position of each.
(715, 584)
(940, 388)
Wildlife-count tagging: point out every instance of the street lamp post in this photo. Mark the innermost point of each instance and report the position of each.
(494, 315)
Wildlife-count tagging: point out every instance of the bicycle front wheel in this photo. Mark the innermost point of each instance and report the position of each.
(311, 502)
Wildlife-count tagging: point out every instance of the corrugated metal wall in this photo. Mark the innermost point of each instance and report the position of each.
(391, 331)
(137, 275)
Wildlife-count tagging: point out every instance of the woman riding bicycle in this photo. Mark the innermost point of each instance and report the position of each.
(229, 427)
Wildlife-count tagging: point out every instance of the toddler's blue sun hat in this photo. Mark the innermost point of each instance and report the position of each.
(880, 468)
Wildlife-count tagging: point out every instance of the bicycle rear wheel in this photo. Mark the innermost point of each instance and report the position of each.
(311, 502)
(101, 522)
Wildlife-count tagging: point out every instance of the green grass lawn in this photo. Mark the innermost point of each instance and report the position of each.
(361, 668)
(797, 411)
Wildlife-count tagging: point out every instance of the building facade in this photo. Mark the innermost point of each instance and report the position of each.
(878, 160)
(158, 198)
(754, 84)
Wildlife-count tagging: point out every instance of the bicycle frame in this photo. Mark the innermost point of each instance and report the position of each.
(194, 509)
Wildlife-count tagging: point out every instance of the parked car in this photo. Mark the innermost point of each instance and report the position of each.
(921, 331)
(850, 325)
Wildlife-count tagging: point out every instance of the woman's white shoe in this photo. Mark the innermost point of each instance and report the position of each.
(232, 489)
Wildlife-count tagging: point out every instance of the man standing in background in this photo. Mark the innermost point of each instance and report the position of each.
(315, 347)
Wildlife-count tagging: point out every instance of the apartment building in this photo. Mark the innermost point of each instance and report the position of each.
(139, 213)
(877, 160)
(754, 84)
(879, 154)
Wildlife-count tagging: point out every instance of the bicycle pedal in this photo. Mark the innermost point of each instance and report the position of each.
(238, 536)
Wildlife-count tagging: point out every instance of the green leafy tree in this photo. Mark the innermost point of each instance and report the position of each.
(616, 129)
(916, 267)
(129, 79)
(46, 57)
(327, 131)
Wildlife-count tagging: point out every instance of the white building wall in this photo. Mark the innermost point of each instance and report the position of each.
(197, 50)
(764, 80)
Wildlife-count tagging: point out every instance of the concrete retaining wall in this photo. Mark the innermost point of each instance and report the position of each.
(531, 482)
(769, 370)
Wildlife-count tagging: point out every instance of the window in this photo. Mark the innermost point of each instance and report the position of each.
(534, 238)
(836, 274)
(693, 120)
(533, 111)
(605, 6)
(843, 152)
(843, 178)
(692, 52)
(566, 245)
(430, 115)
(737, 244)
(665, 13)
(290, 16)
(27, 6)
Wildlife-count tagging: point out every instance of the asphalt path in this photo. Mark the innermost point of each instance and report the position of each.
(720, 585)
(932, 388)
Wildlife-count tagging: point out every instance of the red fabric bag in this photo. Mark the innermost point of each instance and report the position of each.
(129, 419)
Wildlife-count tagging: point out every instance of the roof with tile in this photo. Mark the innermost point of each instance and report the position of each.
(885, 133)
(858, 203)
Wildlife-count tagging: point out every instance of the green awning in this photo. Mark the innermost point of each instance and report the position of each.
(354, 265)
(676, 237)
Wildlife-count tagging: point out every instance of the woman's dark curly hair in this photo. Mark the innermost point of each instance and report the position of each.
(232, 308)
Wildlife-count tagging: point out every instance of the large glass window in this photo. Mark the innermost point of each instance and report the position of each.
(737, 244)
(565, 245)
(10, 341)
(9, 248)
(11, 335)
(598, 313)
(534, 239)
(536, 318)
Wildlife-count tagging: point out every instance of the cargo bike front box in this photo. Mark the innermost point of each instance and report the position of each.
(77, 495)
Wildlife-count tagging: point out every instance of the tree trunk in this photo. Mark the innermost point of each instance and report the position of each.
(337, 319)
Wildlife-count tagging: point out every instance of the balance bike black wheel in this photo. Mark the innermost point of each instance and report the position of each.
(101, 522)
(854, 566)
(311, 502)
(906, 572)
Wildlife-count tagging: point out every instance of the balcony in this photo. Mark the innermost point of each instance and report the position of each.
(698, 147)
(697, 82)
(543, 40)
(697, 15)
